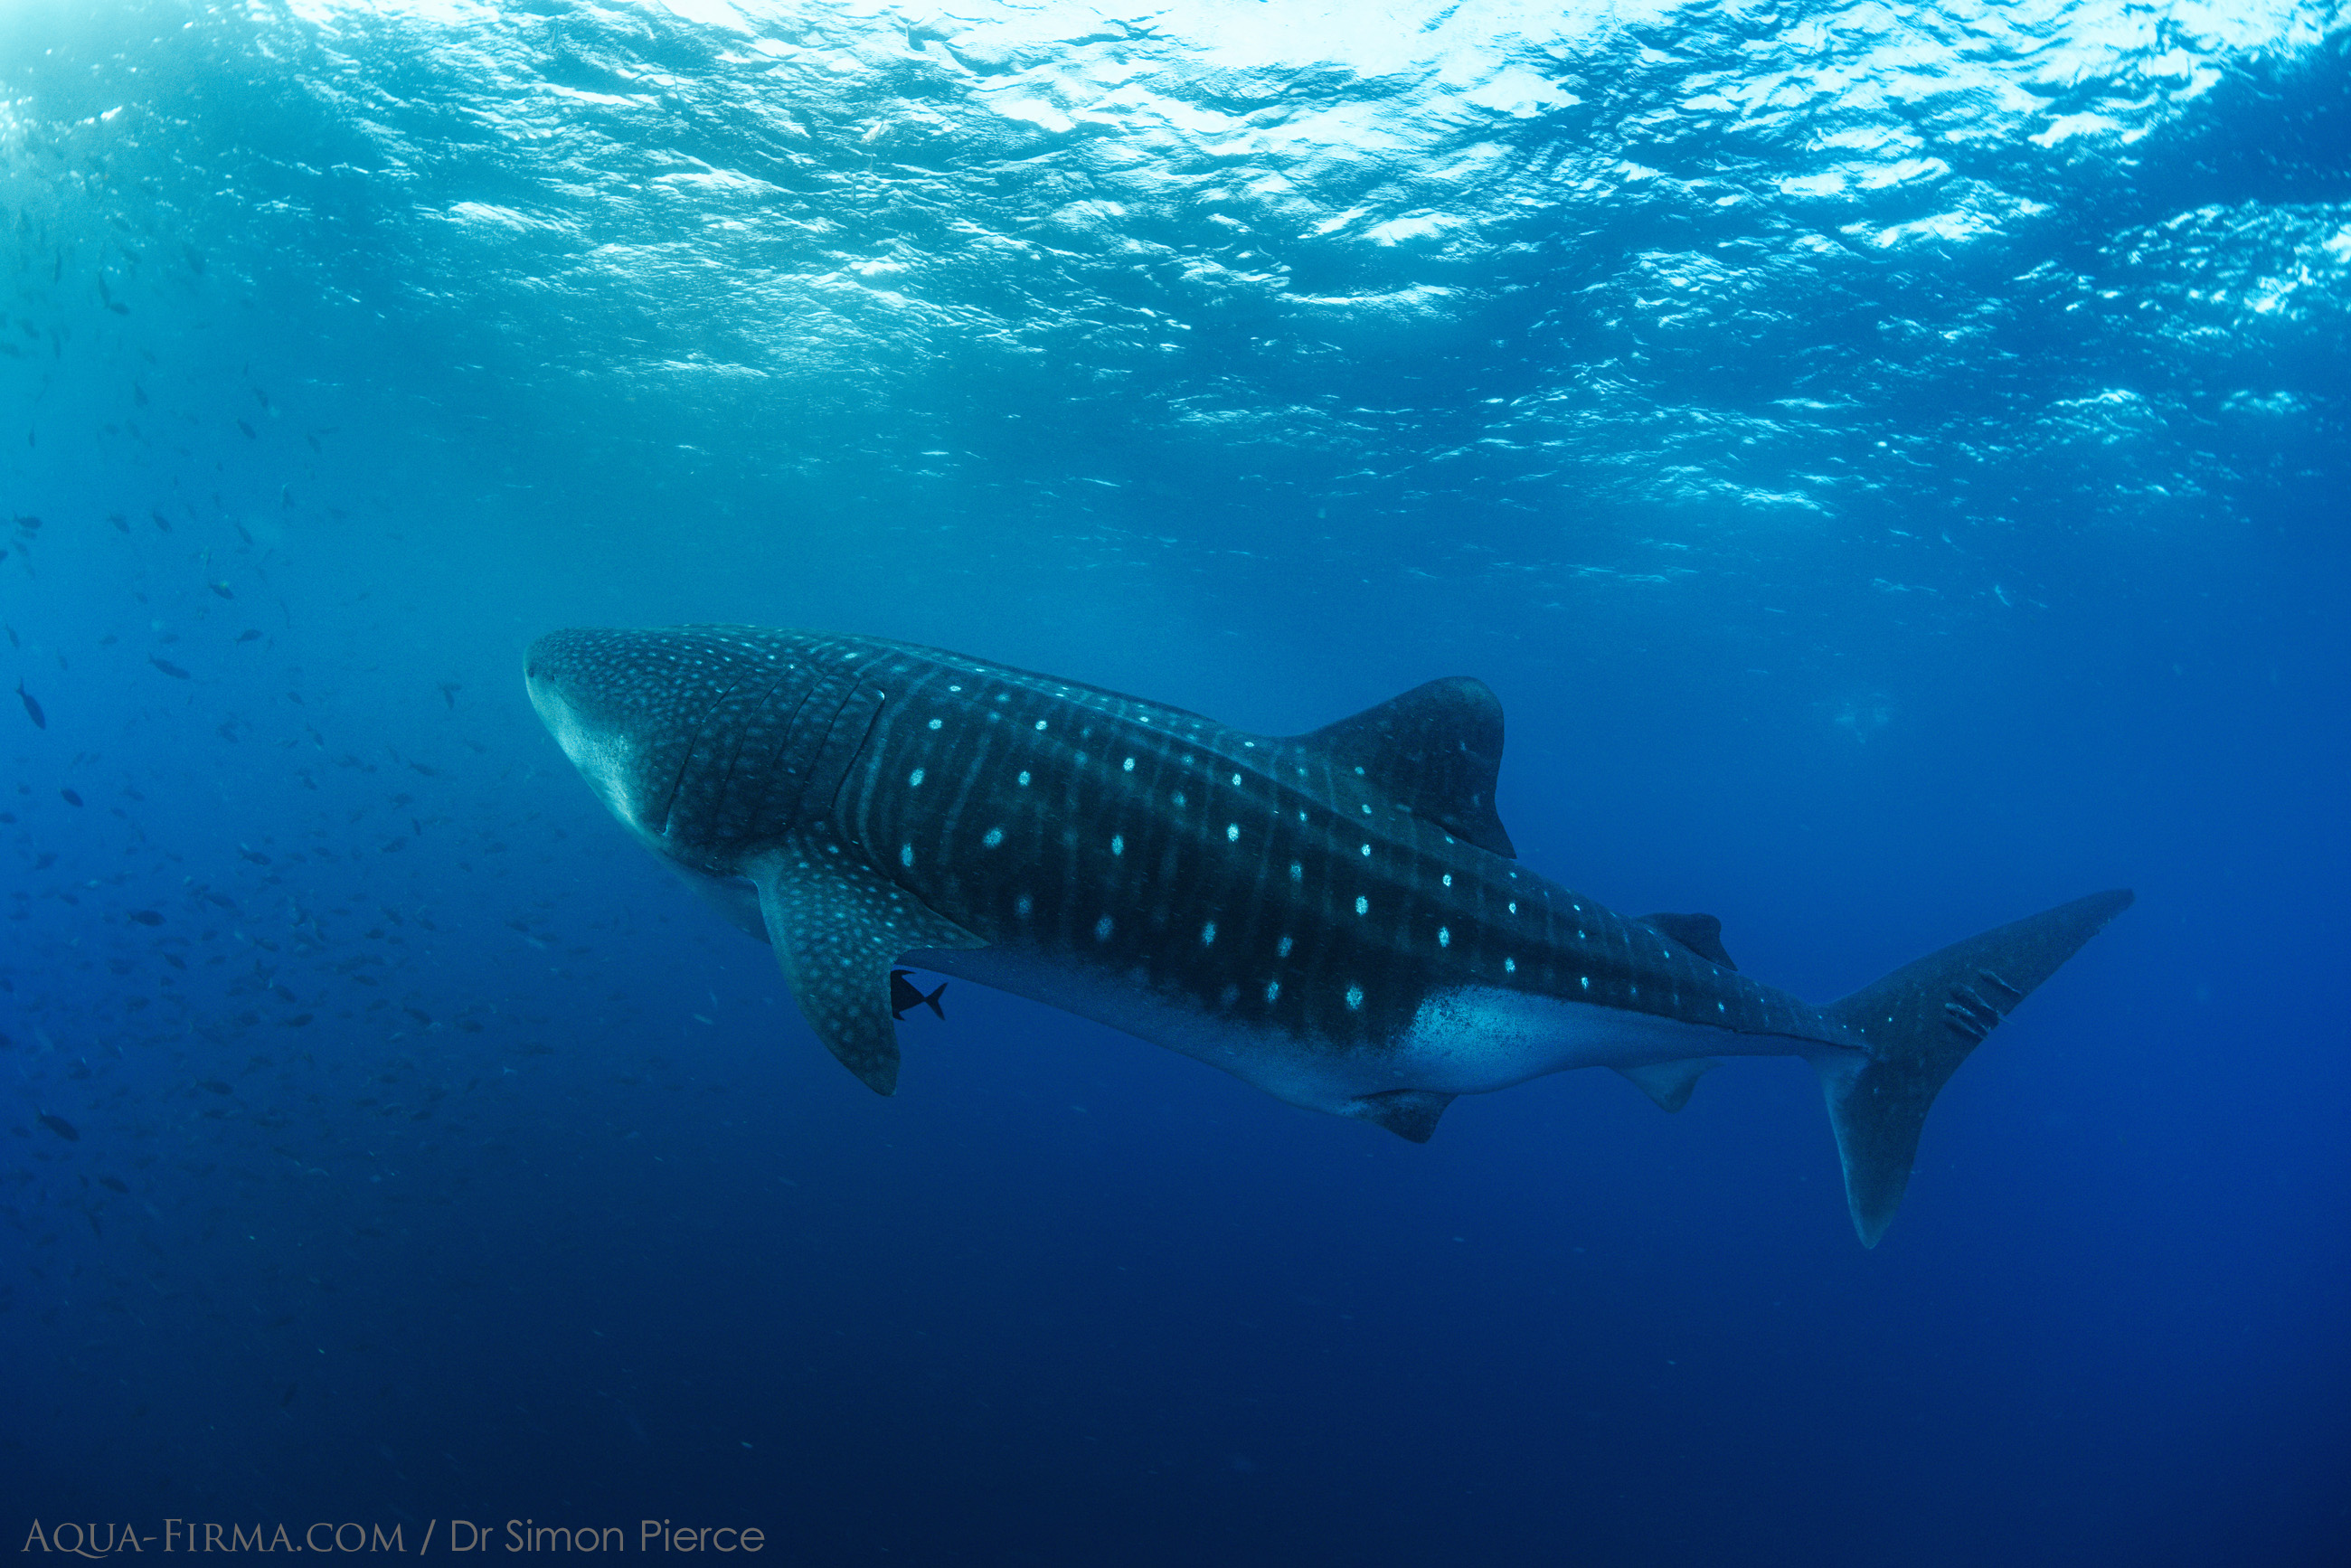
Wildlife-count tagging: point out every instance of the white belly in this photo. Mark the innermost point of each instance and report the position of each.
(1478, 1039)
(1471, 1040)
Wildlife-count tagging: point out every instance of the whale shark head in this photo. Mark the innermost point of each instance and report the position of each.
(701, 739)
(604, 697)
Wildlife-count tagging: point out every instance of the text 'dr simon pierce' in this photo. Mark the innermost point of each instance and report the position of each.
(452, 1536)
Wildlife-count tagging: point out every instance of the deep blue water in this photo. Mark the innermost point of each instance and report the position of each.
(1891, 463)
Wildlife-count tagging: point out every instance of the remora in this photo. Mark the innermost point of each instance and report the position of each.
(1336, 917)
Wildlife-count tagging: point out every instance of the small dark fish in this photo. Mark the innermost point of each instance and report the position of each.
(162, 521)
(288, 1397)
(247, 428)
(297, 1021)
(224, 589)
(214, 1084)
(61, 1127)
(449, 690)
(121, 524)
(114, 1184)
(147, 917)
(138, 394)
(167, 667)
(902, 995)
(70, 798)
(32, 708)
(250, 634)
(30, 525)
(428, 772)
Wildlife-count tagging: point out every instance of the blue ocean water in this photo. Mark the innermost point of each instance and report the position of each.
(1890, 461)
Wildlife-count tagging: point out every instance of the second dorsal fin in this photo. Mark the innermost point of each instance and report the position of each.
(1702, 934)
(1438, 750)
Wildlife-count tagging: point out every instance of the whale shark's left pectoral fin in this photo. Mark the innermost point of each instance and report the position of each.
(837, 926)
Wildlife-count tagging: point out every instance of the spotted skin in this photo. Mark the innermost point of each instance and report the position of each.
(1335, 916)
(1264, 880)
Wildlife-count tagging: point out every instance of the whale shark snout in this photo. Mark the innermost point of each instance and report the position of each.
(580, 684)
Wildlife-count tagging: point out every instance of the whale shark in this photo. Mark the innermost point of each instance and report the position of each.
(1336, 917)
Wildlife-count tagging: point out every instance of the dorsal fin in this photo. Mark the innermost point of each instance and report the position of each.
(1438, 750)
(1702, 934)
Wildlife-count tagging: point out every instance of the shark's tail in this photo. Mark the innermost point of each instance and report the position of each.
(1919, 1023)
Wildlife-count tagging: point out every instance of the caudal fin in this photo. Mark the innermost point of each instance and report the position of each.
(1919, 1023)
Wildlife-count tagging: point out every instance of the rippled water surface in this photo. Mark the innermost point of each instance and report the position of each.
(1890, 461)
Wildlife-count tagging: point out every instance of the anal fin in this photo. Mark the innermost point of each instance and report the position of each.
(1669, 1082)
(837, 926)
(1410, 1114)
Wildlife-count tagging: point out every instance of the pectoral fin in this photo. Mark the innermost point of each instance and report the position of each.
(837, 926)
